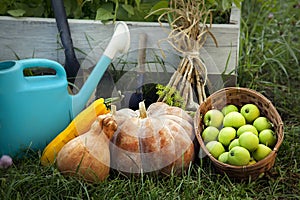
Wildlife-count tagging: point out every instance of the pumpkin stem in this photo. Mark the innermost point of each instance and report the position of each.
(142, 109)
(113, 110)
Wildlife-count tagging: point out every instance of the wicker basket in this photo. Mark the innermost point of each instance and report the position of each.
(240, 96)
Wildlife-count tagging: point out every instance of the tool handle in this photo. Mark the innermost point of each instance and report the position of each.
(71, 63)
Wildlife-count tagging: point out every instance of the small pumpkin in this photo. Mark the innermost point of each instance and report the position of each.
(88, 155)
(158, 140)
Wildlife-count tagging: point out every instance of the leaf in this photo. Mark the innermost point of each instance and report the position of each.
(79, 2)
(109, 6)
(129, 9)
(34, 10)
(138, 2)
(226, 5)
(159, 5)
(17, 12)
(68, 7)
(238, 3)
(3, 9)
(122, 14)
(103, 14)
(77, 13)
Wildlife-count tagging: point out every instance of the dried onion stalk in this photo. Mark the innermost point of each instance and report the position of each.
(189, 30)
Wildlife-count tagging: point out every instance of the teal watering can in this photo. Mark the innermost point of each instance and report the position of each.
(35, 109)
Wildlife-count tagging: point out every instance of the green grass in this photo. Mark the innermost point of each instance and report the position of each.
(269, 63)
(270, 53)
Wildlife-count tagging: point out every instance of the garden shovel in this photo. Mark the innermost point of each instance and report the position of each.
(71, 63)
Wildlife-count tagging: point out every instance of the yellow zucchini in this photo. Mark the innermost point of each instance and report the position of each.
(79, 125)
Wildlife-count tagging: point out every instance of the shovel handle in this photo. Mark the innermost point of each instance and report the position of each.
(71, 63)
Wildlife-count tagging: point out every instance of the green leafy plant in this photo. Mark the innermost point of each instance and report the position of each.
(24, 8)
(107, 10)
(171, 95)
(126, 10)
(221, 9)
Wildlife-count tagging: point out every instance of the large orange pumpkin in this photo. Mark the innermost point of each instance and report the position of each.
(157, 140)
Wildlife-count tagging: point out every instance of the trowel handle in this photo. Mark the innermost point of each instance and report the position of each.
(43, 63)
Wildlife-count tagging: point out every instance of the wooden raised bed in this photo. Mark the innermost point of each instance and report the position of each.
(38, 37)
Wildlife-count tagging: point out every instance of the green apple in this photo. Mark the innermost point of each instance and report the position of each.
(223, 157)
(238, 156)
(250, 112)
(261, 152)
(234, 119)
(234, 143)
(262, 123)
(246, 128)
(226, 135)
(252, 161)
(267, 137)
(210, 133)
(215, 148)
(214, 118)
(249, 141)
(229, 108)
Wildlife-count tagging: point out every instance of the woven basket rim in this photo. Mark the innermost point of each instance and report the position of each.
(280, 134)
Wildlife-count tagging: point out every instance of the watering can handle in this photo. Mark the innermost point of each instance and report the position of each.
(43, 63)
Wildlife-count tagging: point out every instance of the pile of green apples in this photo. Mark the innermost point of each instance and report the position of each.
(238, 136)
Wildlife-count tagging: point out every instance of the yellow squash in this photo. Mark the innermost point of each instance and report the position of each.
(79, 125)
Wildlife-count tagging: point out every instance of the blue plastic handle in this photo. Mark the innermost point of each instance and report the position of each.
(43, 63)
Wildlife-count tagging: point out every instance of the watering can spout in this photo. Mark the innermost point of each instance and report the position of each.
(119, 42)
